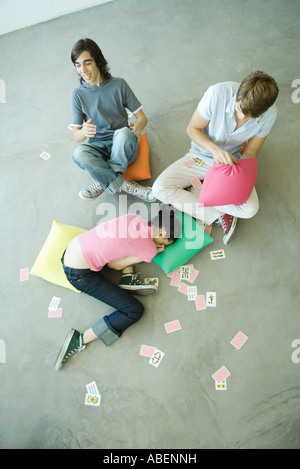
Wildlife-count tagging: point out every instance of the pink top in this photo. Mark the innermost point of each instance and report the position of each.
(128, 235)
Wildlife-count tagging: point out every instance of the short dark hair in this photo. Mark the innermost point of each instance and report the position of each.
(95, 51)
(165, 219)
(257, 92)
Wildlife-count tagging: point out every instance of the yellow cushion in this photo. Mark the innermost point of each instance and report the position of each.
(140, 169)
(48, 265)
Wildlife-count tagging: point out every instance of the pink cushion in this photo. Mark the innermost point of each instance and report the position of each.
(229, 184)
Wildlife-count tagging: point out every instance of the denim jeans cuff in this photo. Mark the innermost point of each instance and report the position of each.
(104, 332)
(115, 185)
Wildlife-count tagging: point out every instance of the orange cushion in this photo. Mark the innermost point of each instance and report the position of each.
(140, 169)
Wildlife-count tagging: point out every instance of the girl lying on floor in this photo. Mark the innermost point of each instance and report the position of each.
(120, 244)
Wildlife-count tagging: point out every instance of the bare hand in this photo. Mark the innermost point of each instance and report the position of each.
(136, 131)
(160, 248)
(89, 129)
(224, 157)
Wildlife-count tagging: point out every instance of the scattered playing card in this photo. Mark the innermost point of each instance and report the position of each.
(92, 388)
(93, 400)
(220, 254)
(193, 275)
(54, 303)
(176, 279)
(93, 396)
(151, 281)
(45, 155)
(211, 298)
(185, 272)
(222, 386)
(172, 326)
(24, 274)
(200, 302)
(147, 350)
(188, 163)
(183, 288)
(239, 340)
(2, 351)
(156, 358)
(192, 293)
(221, 374)
(57, 313)
(196, 183)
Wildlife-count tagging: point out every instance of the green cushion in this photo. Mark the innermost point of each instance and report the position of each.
(193, 239)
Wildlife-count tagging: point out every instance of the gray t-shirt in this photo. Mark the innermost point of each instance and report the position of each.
(105, 104)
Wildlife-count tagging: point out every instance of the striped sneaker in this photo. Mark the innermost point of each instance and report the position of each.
(73, 343)
(91, 192)
(135, 189)
(134, 284)
(228, 223)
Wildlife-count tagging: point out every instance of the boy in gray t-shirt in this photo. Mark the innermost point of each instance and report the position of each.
(99, 112)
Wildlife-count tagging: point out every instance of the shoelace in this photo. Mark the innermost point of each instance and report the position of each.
(138, 190)
(78, 349)
(95, 188)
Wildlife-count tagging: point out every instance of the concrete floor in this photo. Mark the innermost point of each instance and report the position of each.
(169, 52)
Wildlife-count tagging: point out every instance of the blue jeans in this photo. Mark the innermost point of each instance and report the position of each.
(128, 309)
(106, 160)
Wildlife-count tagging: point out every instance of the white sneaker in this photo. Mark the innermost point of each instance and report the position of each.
(91, 192)
(133, 188)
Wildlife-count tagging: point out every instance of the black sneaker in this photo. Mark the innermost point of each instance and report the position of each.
(134, 284)
(73, 343)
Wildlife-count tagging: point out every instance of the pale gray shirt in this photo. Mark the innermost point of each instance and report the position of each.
(218, 106)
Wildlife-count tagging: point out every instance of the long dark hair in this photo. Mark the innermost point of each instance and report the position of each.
(95, 51)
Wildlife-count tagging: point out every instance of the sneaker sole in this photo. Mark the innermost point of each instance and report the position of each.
(61, 354)
(230, 233)
(88, 198)
(141, 291)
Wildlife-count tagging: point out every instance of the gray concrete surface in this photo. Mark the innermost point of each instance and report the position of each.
(169, 52)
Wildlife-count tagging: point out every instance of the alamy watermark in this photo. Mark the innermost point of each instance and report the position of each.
(296, 354)
(296, 94)
(191, 230)
(2, 91)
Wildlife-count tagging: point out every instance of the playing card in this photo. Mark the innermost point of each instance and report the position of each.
(151, 281)
(156, 358)
(239, 340)
(45, 155)
(193, 275)
(92, 388)
(211, 299)
(188, 163)
(176, 279)
(198, 161)
(24, 274)
(200, 302)
(172, 326)
(220, 254)
(54, 303)
(147, 350)
(221, 374)
(183, 288)
(192, 293)
(196, 183)
(2, 351)
(55, 313)
(222, 386)
(185, 272)
(174, 272)
(92, 399)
